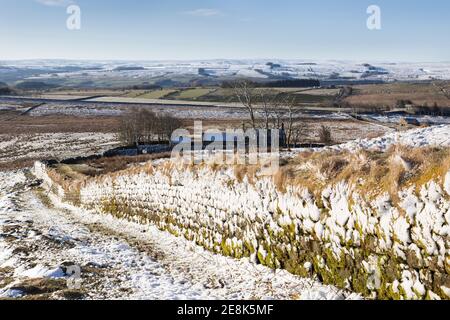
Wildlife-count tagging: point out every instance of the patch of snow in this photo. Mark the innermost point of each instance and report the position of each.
(431, 136)
(12, 294)
(41, 272)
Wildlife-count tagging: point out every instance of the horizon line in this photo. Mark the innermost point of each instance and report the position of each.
(221, 59)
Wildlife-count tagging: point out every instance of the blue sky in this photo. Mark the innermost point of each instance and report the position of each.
(412, 30)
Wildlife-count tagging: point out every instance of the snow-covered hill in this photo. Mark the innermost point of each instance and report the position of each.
(263, 69)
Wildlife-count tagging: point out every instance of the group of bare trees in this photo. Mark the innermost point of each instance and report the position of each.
(267, 110)
(276, 111)
(144, 126)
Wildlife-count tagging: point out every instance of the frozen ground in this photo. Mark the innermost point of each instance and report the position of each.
(438, 136)
(430, 136)
(54, 145)
(173, 108)
(431, 120)
(40, 238)
(116, 109)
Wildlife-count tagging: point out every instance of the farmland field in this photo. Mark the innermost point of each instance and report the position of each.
(389, 94)
(191, 94)
(155, 94)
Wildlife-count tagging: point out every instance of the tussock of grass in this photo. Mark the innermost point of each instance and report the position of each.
(40, 286)
(249, 171)
(373, 173)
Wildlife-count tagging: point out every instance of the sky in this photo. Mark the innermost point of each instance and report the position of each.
(411, 30)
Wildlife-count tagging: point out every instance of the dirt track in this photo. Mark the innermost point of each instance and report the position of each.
(41, 239)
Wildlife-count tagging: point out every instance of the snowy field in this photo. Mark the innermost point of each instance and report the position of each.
(114, 109)
(429, 120)
(438, 136)
(57, 146)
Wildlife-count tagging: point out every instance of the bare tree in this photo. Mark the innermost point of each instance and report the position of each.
(281, 108)
(442, 88)
(278, 116)
(278, 110)
(273, 108)
(129, 129)
(167, 125)
(297, 133)
(292, 132)
(246, 94)
(148, 123)
(344, 93)
(266, 107)
(325, 135)
(286, 111)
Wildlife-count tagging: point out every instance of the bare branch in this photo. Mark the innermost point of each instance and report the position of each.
(441, 87)
(245, 92)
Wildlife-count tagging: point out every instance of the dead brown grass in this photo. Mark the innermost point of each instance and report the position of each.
(249, 171)
(389, 94)
(18, 124)
(40, 288)
(16, 164)
(107, 165)
(372, 173)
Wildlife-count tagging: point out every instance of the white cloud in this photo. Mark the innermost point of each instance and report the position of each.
(55, 3)
(203, 12)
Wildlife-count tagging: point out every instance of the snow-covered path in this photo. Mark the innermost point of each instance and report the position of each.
(40, 238)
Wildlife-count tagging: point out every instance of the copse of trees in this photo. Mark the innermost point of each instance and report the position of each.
(294, 83)
(145, 86)
(35, 85)
(5, 89)
(268, 111)
(141, 127)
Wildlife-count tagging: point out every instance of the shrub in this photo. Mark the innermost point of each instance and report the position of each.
(325, 135)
